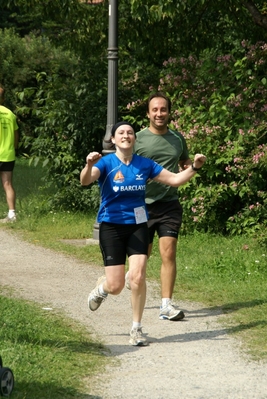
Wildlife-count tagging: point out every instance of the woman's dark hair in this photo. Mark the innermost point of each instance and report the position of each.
(108, 143)
(118, 124)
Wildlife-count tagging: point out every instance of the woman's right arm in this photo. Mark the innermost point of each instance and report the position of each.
(89, 174)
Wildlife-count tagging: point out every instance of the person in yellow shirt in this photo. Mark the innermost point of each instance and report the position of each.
(9, 138)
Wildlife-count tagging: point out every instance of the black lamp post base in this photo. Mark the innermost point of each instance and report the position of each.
(96, 231)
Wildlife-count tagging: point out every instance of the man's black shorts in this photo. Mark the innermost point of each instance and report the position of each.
(7, 166)
(165, 218)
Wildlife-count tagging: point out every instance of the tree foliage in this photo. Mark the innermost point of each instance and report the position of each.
(219, 104)
(210, 57)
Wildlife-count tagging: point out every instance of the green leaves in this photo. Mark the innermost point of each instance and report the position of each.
(199, 52)
(219, 104)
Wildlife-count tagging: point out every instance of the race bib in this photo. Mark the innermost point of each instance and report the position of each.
(140, 215)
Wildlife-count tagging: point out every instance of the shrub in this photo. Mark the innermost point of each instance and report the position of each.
(219, 104)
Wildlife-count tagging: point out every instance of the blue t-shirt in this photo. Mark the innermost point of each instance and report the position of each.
(123, 187)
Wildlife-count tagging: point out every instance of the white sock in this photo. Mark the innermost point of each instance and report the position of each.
(136, 324)
(11, 213)
(165, 301)
(101, 290)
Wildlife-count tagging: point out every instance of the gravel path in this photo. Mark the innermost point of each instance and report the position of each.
(190, 359)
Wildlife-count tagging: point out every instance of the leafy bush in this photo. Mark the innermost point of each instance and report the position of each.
(60, 107)
(21, 59)
(71, 115)
(219, 104)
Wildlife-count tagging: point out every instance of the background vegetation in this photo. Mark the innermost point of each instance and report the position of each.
(210, 58)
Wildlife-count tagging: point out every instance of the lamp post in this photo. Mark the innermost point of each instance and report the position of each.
(112, 98)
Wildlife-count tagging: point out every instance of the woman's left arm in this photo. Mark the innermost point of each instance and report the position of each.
(178, 179)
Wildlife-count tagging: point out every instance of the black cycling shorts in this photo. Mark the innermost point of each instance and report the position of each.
(7, 166)
(120, 240)
(165, 218)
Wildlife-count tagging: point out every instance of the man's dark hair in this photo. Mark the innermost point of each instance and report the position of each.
(161, 95)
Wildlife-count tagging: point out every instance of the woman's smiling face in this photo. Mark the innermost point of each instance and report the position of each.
(124, 137)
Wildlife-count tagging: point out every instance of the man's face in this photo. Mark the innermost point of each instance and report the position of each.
(158, 113)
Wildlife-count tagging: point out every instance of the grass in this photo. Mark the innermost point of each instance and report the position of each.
(225, 273)
(45, 352)
(219, 272)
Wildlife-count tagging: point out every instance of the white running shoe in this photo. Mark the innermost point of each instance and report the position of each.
(170, 313)
(137, 337)
(95, 298)
(9, 219)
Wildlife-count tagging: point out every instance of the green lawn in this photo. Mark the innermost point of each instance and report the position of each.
(219, 272)
(50, 357)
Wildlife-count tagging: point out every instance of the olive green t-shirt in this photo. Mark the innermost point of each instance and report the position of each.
(8, 126)
(167, 150)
